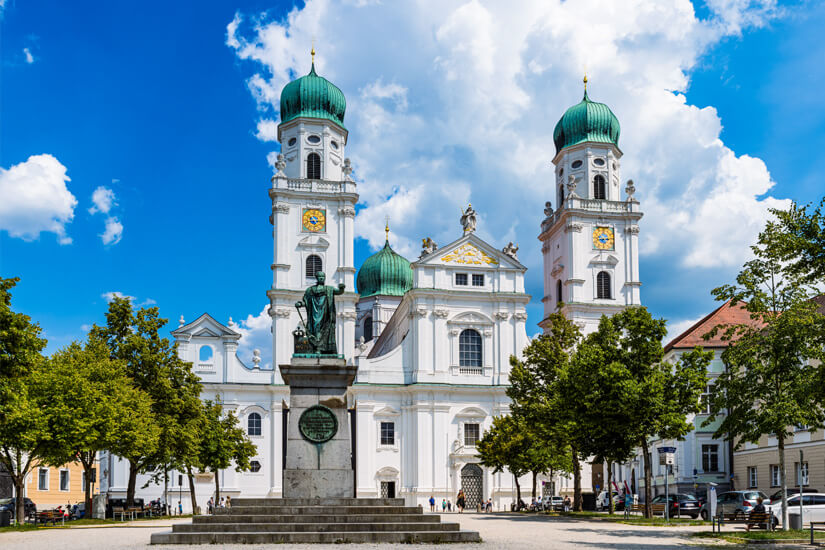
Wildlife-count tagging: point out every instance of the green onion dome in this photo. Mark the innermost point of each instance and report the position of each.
(313, 96)
(586, 121)
(385, 273)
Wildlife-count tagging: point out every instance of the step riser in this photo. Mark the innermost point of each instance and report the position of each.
(353, 518)
(317, 510)
(317, 502)
(310, 527)
(334, 537)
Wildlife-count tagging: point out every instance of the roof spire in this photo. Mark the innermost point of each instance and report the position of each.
(387, 229)
(312, 53)
(585, 82)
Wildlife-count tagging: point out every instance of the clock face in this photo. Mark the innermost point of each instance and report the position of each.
(314, 220)
(603, 238)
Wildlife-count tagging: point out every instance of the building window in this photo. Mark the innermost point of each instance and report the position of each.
(561, 196)
(253, 424)
(205, 354)
(558, 291)
(461, 279)
(254, 466)
(43, 479)
(469, 348)
(313, 265)
(753, 480)
(367, 328)
(472, 434)
(603, 285)
(801, 474)
(775, 475)
(313, 166)
(478, 279)
(64, 480)
(388, 433)
(599, 188)
(704, 399)
(710, 458)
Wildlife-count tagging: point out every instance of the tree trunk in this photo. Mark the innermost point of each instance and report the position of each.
(577, 481)
(192, 489)
(518, 493)
(780, 440)
(648, 478)
(534, 485)
(611, 504)
(218, 489)
(130, 488)
(20, 505)
(87, 469)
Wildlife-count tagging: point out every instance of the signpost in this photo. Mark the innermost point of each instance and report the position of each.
(667, 459)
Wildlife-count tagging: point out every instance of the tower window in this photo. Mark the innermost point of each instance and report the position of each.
(313, 265)
(314, 166)
(603, 285)
(253, 424)
(558, 291)
(469, 348)
(561, 196)
(599, 188)
(291, 142)
(314, 139)
(576, 164)
(598, 162)
(367, 328)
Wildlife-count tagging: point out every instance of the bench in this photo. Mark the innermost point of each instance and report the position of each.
(749, 518)
(816, 528)
(120, 511)
(640, 508)
(49, 516)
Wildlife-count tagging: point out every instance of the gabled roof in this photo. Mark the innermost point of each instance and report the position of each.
(726, 314)
(206, 325)
(468, 244)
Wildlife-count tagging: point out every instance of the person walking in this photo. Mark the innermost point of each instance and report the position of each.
(449, 505)
(228, 502)
(209, 504)
(222, 503)
(444, 505)
(460, 500)
(432, 503)
(567, 503)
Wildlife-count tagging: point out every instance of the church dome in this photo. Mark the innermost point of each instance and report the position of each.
(385, 273)
(313, 96)
(586, 121)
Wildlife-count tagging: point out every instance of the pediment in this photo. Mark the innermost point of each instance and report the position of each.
(471, 412)
(604, 261)
(470, 251)
(468, 254)
(314, 242)
(206, 326)
(206, 333)
(387, 411)
(470, 318)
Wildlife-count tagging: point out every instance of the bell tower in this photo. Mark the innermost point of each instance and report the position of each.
(313, 209)
(590, 241)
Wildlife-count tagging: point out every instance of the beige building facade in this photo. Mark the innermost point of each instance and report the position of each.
(756, 466)
(49, 487)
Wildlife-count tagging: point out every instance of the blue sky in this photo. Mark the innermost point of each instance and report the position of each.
(159, 104)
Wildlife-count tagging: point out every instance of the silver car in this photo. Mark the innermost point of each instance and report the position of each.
(733, 502)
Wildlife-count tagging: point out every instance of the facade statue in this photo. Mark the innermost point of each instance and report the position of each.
(468, 219)
(548, 209)
(511, 250)
(428, 246)
(319, 302)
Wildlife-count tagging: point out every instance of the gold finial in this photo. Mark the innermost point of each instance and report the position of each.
(387, 228)
(312, 52)
(585, 81)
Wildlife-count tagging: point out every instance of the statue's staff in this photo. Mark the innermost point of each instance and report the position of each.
(311, 337)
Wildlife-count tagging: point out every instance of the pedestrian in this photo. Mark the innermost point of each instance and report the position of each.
(567, 503)
(460, 501)
(180, 508)
(628, 501)
(222, 503)
(432, 503)
(449, 506)
(228, 502)
(758, 509)
(209, 504)
(489, 506)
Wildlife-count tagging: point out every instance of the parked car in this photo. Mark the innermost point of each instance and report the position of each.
(681, 504)
(733, 502)
(554, 503)
(603, 501)
(10, 504)
(777, 496)
(813, 507)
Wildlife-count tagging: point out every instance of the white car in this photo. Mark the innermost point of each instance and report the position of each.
(813, 507)
(603, 502)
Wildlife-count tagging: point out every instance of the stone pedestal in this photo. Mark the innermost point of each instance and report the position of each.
(318, 469)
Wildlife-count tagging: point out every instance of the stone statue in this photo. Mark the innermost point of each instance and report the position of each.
(571, 186)
(428, 246)
(511, 250)
(468, 219)
(630, 189)
(319, 302)
(548, 209)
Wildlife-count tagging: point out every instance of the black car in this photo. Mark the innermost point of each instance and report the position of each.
(10, 504)
(681, 504)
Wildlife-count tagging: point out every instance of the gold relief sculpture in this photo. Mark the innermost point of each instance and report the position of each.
(467, 254)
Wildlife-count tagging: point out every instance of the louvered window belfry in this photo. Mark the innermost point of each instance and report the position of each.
(599, 188)
(558, 291)
(313, 266)
(603, 285)
(314, 166)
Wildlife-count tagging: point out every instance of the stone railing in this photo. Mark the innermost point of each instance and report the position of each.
(322, 186)
(591, 205)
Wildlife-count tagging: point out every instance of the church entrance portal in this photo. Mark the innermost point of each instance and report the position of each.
(471, 483)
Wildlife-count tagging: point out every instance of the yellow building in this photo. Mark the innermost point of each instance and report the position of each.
(49, 487)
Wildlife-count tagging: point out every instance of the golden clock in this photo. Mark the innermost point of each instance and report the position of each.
(314, 220)
(603, 238)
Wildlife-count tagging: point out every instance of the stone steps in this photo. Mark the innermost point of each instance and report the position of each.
(342, 520)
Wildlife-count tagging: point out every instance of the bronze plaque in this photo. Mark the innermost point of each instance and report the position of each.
(318, 424)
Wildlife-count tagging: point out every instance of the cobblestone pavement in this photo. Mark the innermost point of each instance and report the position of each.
(498, 530)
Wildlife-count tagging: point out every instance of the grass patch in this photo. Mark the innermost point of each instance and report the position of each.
(90, 522)
(11, 528)
(739, 536)
(631, 520)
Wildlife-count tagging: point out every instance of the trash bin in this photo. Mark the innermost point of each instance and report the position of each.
(5, 518)
(794, 521)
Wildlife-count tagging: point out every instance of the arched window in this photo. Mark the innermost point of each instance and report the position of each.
(603, 285)
(313, 166)
(205, 354)
(558, 291)
(253, 424)
(599, 188)
(367, 328)
(469, 348)
(561, 196)
(313, 265)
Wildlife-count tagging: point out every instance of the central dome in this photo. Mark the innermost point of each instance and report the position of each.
(313, 96)
(586, 121)
(385, 273)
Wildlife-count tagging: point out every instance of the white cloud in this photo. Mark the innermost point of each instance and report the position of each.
(112, 232)
(103, 199)
(28, 54)
(109, 296)
(34, 198)
(455, 101)
(255, 334)
(676, 328)
(267, 130)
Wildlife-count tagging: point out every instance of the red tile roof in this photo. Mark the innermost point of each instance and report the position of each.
(726, 314)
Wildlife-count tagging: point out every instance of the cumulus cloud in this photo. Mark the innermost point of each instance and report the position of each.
(103, 199)
(28, 55)
(455, 101)
(676, 328)
(112, 232)
(109, 296)
(35, 199)
(267, 130)
(255, 333)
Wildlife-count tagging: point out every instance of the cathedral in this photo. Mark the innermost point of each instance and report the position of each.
(431, 338)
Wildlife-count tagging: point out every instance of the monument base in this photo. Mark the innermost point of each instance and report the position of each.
(319, 483)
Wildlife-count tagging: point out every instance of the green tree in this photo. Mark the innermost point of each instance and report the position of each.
(796, 237)
(222, 442)
(773, 378)
(506, 445)
(93, 406)
(23, 433)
